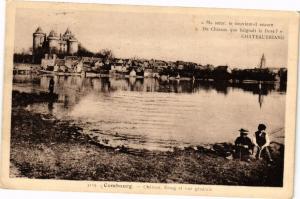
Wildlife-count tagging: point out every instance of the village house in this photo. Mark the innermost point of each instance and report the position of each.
(67, 64)
(132, 73)
(48, 61)
(119, 66)
(148, 72)
(60, 66)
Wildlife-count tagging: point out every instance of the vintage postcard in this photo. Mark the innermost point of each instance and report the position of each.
(145, 99)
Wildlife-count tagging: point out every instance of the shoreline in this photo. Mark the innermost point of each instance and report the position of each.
(162, 77)
(55, 149)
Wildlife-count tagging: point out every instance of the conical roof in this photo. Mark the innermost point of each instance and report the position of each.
(53, 34)
(68, 32)
(39, 30)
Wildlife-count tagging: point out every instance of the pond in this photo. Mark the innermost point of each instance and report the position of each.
(159, 115)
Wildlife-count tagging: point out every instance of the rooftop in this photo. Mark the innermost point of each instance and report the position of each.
(39, 30)
(53, 34)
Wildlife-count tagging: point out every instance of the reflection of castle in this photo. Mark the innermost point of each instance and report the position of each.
(53, 43)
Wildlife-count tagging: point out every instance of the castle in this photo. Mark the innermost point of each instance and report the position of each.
(53, 43)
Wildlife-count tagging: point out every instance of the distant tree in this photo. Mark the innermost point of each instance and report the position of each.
(136, 58)
(24, 57)
(30, 50)
(83, 52)
(283, 75)
(105, 54)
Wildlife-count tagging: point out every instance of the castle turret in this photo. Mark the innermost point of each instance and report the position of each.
(53, 43)
(53, 40)
(72, 45)
(39, 38)
(68, 33)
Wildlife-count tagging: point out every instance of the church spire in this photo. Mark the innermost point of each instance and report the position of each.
(262, 61)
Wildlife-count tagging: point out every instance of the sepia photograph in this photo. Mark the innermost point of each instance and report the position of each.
(136, 94)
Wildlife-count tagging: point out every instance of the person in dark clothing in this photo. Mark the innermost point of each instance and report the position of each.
(243, 146)
(261, 141)
(51, 86)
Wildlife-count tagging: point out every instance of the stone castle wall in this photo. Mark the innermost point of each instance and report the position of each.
(54, 43)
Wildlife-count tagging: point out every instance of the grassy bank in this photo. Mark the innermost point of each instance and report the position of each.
(53, 149)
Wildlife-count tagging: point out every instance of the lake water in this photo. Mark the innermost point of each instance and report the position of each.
(153, 114)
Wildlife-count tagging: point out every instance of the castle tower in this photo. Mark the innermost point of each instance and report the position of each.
(53, 40)
(72, 45)
(39, 38)
(68, 33)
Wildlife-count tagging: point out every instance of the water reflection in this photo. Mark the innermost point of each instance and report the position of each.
(69, 87)
(157, 114)
(50, 107)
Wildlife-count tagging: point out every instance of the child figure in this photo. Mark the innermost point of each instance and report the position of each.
(262, 142)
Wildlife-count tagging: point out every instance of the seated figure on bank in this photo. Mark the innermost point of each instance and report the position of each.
(243, 146)
(261, 141)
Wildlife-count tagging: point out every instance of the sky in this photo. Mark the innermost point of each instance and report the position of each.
(158, 35)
